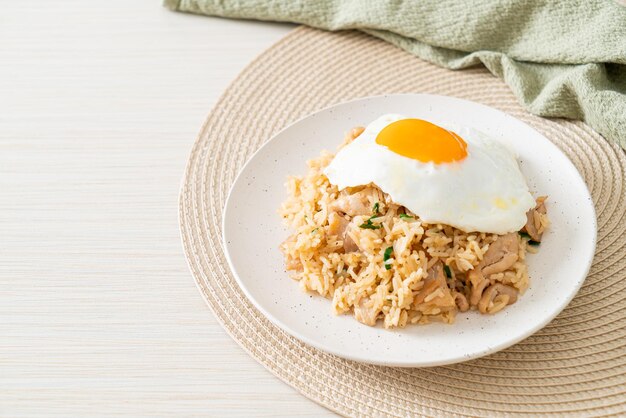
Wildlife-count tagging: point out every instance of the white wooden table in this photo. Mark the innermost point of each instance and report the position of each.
(100, 103)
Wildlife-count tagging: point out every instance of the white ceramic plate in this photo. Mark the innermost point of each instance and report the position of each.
(253, 231)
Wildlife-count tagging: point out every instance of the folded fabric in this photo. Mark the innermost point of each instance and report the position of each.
(561, 58)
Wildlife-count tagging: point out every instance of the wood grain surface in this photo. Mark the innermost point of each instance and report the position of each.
(100, 103)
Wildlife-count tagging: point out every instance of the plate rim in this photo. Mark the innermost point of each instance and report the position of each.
(491, 349)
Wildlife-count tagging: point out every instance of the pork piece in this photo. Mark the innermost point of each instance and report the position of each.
(461, 301)
(436, 280)
(364, 314)
(500, 256)
(533, 224)
(478, 284)
(338, 225)
(353, 204)
(494, 291)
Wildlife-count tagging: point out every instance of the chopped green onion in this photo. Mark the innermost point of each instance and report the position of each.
(530, 240)
(369, 225)
(405, 216)
(448, 271)
(375, 209)
(314, 231)
(387, 256)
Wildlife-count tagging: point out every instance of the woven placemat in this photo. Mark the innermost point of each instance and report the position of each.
(576, 365)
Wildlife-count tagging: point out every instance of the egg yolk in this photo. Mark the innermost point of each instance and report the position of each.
(422, 141)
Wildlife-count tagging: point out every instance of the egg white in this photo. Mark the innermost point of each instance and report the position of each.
(484, 192)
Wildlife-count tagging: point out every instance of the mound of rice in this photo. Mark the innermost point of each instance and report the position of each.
(393, 274)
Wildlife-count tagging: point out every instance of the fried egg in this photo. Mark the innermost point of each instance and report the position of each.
(455, 175)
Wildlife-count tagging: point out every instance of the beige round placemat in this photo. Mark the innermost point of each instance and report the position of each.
(575, 365)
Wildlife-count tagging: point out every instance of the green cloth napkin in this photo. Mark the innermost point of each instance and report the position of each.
(561, 58)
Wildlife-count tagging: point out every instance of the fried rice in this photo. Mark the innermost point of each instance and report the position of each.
(378, 261)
